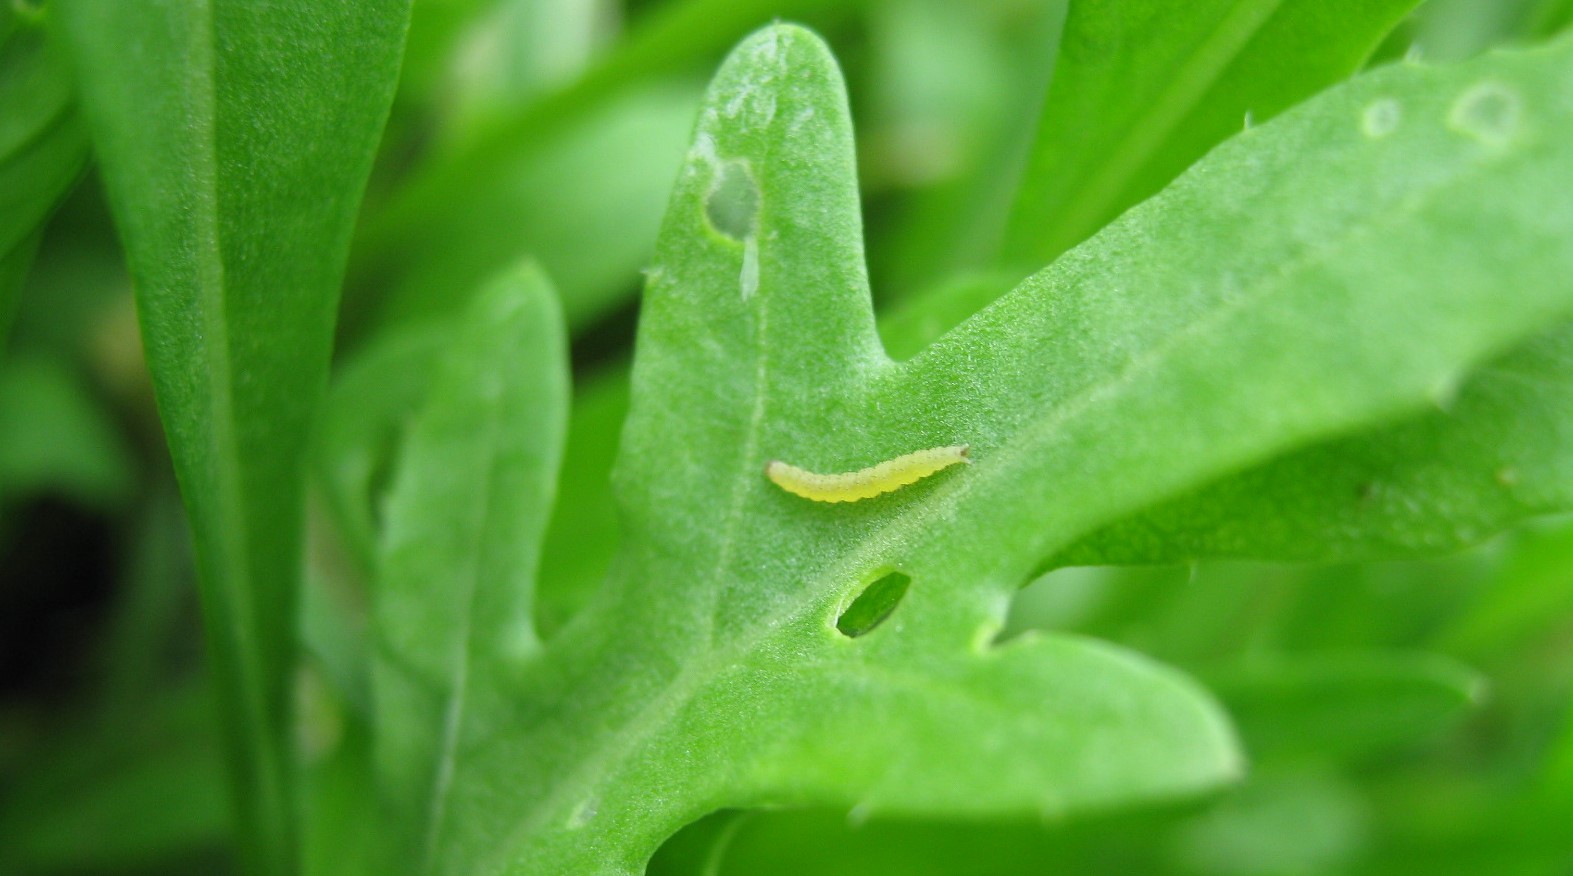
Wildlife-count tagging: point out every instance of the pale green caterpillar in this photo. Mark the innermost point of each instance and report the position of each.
(890, 475)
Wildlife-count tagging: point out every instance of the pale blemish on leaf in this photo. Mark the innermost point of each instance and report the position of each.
(1380, 118)
(583, 813)
(702, 155)
(748, 277)
(1489, 112)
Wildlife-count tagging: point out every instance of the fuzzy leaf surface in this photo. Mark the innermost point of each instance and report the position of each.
(235, 139)
(1316, 276)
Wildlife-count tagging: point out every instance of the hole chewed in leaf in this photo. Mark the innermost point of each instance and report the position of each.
(873, 605)
(733, 202)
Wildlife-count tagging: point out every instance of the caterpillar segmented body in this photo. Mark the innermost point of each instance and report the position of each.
(892, 474)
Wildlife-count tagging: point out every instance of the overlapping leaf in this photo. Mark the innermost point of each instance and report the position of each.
(42, 144)
(235, 139)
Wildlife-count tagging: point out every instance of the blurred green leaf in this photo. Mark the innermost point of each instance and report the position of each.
(42, 145)
(141, 790)
(1290, 824)
(461, 547)
(56, 436)
(585, 200)
(1529, 599)
(519, 49)
(957, 88)
(344, 831)
(1141, 91)
(234, 140)
(1335, 708)
(483, 180)
(365, 419)
(156, 594)
(582, 538)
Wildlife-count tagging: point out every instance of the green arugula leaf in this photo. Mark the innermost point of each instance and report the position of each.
(715, 641)
(1141, 91)
(235, 139)
(42, 145)
(465, 520)
(1316, 276)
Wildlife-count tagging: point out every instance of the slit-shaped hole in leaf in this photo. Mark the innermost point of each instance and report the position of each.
(733, 201)
(873, 605)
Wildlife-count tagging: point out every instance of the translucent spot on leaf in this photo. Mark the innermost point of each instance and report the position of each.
(582, 813)
(1507, 477)
(1489, 112)
(733, 203)
(873, 605)
(1381, 118)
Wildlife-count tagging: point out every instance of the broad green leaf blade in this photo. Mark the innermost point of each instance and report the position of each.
(462, 542)
(1484, 459)
(1140, 91)
(714, 641)
(42, 144)
(235, 139)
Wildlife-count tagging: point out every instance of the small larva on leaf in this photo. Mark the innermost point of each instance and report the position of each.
(867, 483)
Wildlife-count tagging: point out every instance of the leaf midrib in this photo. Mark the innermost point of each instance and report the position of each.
(222, 441)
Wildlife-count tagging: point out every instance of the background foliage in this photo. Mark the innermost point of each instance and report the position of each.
(1304, 610)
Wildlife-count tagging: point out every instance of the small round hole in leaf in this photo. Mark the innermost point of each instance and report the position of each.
(873, 605)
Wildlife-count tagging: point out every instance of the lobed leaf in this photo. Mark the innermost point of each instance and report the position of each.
(466, 514)
(710, 672)
(1316, 276)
